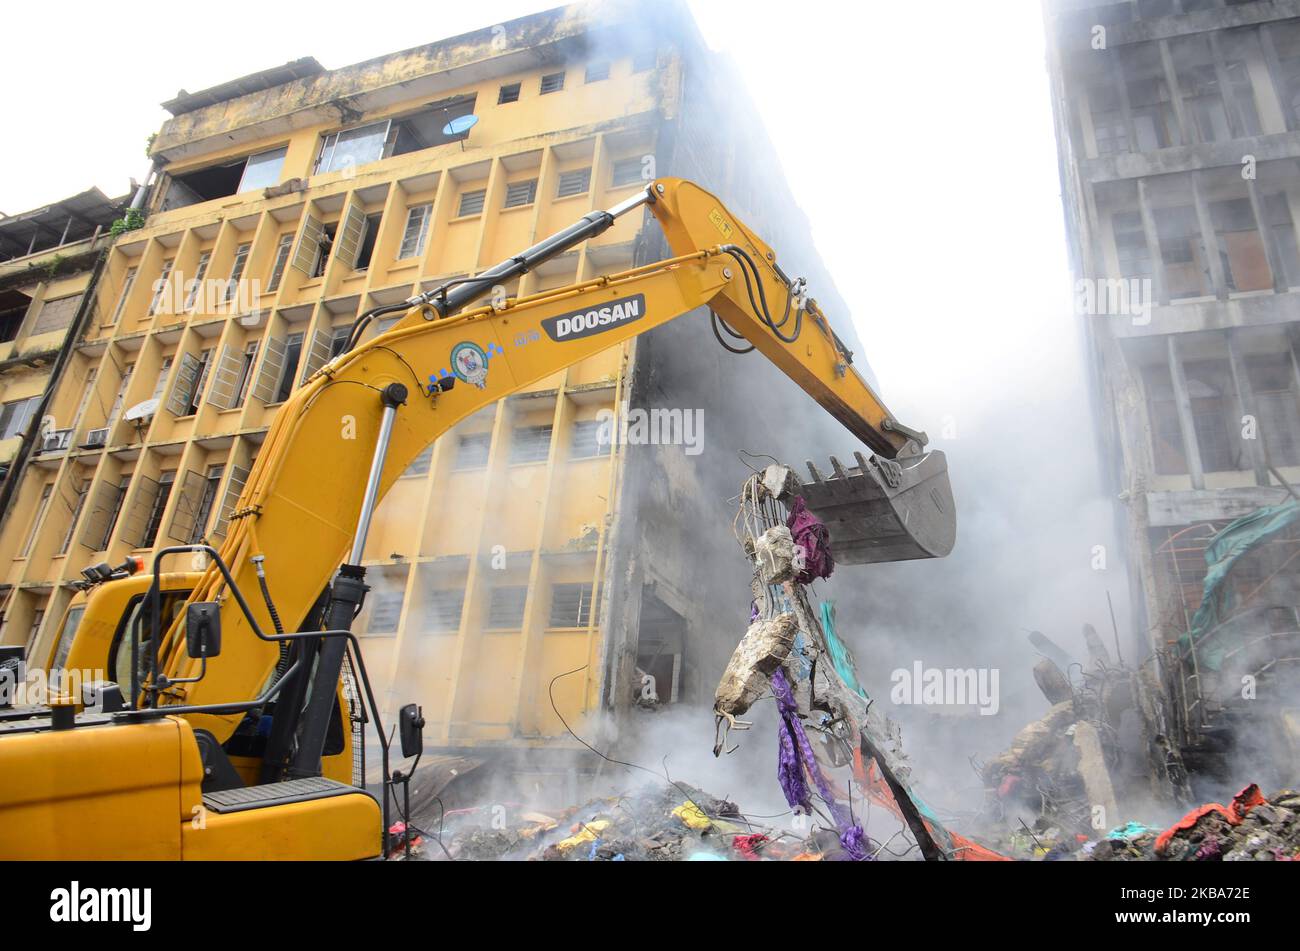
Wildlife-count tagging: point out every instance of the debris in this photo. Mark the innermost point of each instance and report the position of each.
(1250, 828)
(674, 823)
(774, 555)
(761, 651)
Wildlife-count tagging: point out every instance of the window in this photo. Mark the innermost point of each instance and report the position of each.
(1183, 252)
(472, 451)
(444, 610)
(11, 320)
(420, 464)
(250, 172)
(187, 388)
(160, 287)
(506, 608)
(292, 354)
(575, 182)
(207, 498)
(1209, 385)
(519, 194)
(338, 340)
(78, 504)
(104, 513)
(413, 132)
(282, 250)
(508, 93)
(570, 605)
(161, 383)
(196, 282)
(1273, 383)
(37, 617)
(627, 171)
(385, 610)
(323, 249)
(56, 314)
(229, 499)
(1108, 126)
(1131, 245)
(1240, 247)
(1166, 430)
(352, 147)
(471, 203)
(530, 444)
(245, 373)
(590, 439)
(417, 229)
(644, 59)
(552, 82)
(127, 283)
(15, 415)
(236, 271)
(1277, 209)
(369, 236)
(37, 518)
(159, 504)
(127, 371)
(91, 376)
(263, 170)
(597, 72)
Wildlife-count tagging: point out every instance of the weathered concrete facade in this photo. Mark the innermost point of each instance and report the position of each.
(1178, 124)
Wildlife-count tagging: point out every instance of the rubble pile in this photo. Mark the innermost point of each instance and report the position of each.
(674, 823)
(1250, 828)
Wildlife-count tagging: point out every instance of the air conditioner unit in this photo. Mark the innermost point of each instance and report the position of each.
(95, 439)
(56, 440)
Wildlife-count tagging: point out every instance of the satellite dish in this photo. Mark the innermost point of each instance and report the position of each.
(141, 410)
(460, 125)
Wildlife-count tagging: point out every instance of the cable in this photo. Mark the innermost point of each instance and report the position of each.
(714, 320)
(746, 266)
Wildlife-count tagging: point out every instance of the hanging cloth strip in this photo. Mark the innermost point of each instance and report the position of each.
(795, 757)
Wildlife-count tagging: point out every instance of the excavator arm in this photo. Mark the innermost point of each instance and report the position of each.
(341, 441)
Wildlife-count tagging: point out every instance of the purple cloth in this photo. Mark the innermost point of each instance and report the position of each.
(813, 538)
(795, 753)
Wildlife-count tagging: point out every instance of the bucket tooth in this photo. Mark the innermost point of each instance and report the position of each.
(883, 510)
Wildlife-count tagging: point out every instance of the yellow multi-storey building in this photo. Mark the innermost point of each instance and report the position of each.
(523, 545)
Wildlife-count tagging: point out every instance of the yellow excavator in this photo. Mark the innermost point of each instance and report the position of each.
(228, 725)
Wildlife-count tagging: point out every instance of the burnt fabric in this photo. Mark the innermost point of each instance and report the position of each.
(813, 538)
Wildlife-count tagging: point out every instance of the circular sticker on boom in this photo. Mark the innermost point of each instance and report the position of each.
(470, 363)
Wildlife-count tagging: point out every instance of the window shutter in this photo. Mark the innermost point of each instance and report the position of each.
(351, 233)
(304, 256)
(268, 377)
(94, 534)
(230, 498)
(226, 379)
(187, 507)
(56, 314)
(136, 523)
(318, 354)
(183, 386)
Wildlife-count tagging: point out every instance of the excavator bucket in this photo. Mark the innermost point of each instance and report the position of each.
(883, 510)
